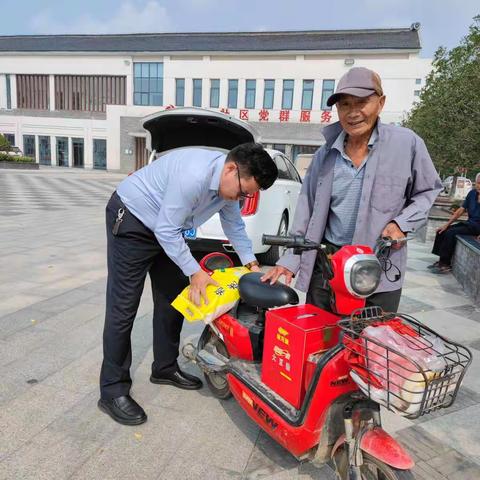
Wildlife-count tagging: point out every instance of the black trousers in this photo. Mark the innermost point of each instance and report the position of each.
(319, 293)
(132, 254)
(444, 245)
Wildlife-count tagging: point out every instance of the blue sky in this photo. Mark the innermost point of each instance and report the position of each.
(444, 22)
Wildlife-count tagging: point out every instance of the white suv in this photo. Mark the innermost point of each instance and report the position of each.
(270, 211)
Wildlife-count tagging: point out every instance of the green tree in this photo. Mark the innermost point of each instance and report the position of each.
(447, 115)
(4, 144)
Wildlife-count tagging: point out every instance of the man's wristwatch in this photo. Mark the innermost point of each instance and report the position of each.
(252, 264)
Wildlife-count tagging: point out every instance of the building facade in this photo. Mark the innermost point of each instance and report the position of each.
(79, 100)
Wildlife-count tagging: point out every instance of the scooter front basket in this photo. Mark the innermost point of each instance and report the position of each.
(402, 364)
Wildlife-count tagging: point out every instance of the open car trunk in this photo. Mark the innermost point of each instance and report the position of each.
(186, 127)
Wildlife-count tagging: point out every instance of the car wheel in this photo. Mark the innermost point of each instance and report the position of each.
(271, 256)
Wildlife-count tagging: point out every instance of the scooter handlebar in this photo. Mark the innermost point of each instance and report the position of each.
(297, 241)
(278, 240)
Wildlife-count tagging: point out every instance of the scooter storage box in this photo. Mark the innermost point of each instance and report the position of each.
(291, 335)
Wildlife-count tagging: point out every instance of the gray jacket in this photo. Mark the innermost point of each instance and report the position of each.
(400, 184)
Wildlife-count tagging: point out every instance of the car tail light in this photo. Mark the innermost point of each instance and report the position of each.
(249, 206)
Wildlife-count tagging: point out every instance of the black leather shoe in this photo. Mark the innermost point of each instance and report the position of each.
(179, 379)
(124, 410)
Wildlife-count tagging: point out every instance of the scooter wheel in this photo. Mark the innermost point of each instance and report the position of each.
(372, 468)
(217, 382)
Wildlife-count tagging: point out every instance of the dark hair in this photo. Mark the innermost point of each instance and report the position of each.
(254, 161)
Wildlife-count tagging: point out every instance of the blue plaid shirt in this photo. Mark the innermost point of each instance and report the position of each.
(346, 192)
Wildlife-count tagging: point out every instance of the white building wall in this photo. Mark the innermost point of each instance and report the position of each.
(55, 127)
(397, 70)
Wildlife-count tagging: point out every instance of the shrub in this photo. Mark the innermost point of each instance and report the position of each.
(5, 157)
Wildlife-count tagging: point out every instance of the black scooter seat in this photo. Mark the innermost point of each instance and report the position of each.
(261, 294)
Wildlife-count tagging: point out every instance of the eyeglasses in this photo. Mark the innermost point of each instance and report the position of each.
(242, 193)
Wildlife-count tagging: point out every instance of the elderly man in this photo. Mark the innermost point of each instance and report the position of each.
(369, 180)
(146, 219)
(446, 238)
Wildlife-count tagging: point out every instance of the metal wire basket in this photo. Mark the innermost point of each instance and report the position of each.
(416, 372)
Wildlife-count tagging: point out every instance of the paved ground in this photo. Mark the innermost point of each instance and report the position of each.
(52, 282)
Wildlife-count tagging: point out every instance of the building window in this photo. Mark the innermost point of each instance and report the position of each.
(29, 146)
(268, 94)
(214, 93)
(99, 154)
(287, 95)
(197, 92)
(9, 92)
(232, 93)
(148, 84)
(418, 81)
(250, 91)
(77, 150)
(44, 151)
(180, 92)
(33, 92)
(89, 93)
(416, 93)
(328, 88)
(62, 151)
(307, 94)
(10, 138)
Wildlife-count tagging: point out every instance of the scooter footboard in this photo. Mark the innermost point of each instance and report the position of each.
(296, 439)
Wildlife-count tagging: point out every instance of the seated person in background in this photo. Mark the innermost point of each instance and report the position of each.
(446, 237)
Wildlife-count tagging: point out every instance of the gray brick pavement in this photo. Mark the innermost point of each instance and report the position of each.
(52, 284)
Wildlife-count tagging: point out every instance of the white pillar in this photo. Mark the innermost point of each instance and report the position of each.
(168, 83)
(13, 90)
(223, 93)
(3, 91)
(37, 150)
(259, 87)
(51, 94)
(242, 84)
(188, 91)
(53, 150)
(70, 151)
(129, 84)
(88, 149)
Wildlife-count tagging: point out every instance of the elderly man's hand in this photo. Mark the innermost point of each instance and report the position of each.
(275, 273)
(393, 231)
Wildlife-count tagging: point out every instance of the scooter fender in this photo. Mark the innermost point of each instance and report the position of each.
(379, 444)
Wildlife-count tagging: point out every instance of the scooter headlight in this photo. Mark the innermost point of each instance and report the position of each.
(362, 275)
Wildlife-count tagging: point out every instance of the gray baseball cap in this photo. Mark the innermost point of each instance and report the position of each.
(359, 82)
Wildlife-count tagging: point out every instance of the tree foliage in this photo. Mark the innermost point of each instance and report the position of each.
(4, 144)
(447, 115)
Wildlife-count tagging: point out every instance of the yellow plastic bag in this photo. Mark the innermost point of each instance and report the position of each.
(221, 298)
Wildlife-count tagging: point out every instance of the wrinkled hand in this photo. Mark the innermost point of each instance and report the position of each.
(254, 268)
(198, 287)
(393, 231)
(275, 273)
(442, 229)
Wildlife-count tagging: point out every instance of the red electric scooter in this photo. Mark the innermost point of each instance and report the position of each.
(287, 367)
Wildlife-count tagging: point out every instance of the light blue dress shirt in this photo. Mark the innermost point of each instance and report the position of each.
(179, 191)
